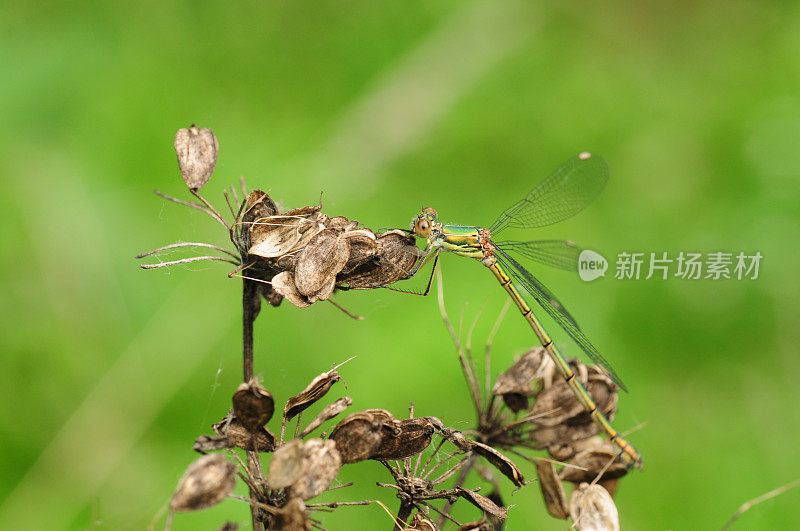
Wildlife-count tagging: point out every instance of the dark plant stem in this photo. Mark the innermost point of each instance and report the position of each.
(249, 313)
(403, 514)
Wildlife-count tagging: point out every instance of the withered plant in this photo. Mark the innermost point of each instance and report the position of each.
(530, 407)
(306, 256)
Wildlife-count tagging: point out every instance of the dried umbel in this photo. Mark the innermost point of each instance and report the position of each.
(592, 509)
(197, 150)
(359, 435)
(531, 407)
(207, 482)
(305, 255)
(300, 254)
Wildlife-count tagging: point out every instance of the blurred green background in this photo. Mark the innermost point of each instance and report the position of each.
(110, 372)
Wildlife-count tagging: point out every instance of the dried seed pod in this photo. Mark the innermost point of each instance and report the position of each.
(397, 254)
(330, 411)
(358, 436)
(555, 499)
(483, 503)
(253, 405)
(592, 509)
(555, 405)
(420, 523)
(229, 526)
(591, 463)
(313, 392)
(292, 517)
(287, 465)
(518, 378)
(501, 462)
(283, 284)
(404, 438)
(207, 481)
(341, 223)
(197, 150)
(259, 440)
(319, 263)
(522, 380)
(363, 249)
(279, 235)
(257, 205)
(322, 465)
(209, 443)
(563, 433)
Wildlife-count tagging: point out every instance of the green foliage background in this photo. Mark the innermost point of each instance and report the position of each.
(110, 372)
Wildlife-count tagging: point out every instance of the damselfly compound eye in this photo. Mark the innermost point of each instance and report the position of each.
(422, 227)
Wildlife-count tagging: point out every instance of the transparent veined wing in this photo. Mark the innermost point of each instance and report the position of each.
(562, 195)
(562, 254)
(544, 298)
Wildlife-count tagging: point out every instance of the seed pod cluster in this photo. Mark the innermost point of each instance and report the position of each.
(376, 434)
(305, 255)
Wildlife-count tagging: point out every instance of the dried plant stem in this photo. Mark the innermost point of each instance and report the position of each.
(402, 514)
(187, 260)
(249, 312)
(188, 244)
(211, 209)
(192, 204)
(755, 501)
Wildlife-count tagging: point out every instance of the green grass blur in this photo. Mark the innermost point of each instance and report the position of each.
(110, 372)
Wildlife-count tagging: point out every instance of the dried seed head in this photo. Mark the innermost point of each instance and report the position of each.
(284, 284)
(282, 234)
(518, 377)
(330, 411)
(318, 387)
(287, 465)
(555, 499)
(521, 380)
(404, 438)
(207, 481)
(483, 503)
(322, 465)
(292, 517)
(253, 405)
(197, 150)
(563, 434)
(209, 443)
(592, 462)
(259, 440)
(505, 465)
(396, 255)
(592, 509)
(319, 262)
(555, 405)
(257, 205)
(358, 436)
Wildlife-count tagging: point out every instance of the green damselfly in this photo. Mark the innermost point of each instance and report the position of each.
(562, 195)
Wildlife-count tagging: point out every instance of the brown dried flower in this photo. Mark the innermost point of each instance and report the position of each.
(197, 150)
(207, 481)
(253, 405)
(592, 509)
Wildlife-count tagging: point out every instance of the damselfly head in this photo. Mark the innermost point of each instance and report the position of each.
(423, 223)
